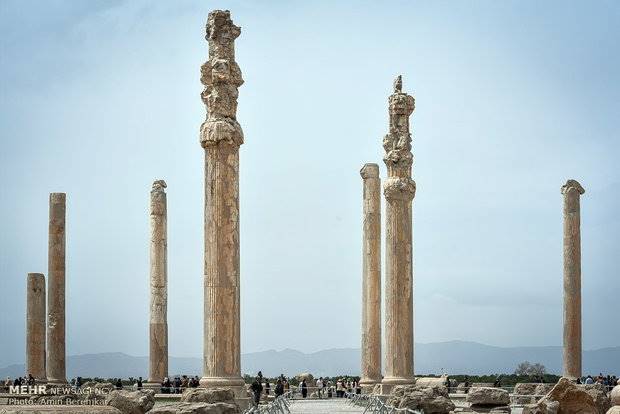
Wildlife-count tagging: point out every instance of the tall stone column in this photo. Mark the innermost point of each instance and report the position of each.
(572, 191)
(35, 326)
(158, 327)
(221, 136)
(371, 277)
(399, 190)
(56, 369)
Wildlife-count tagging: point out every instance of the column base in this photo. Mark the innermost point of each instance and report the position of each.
(156, 386)
(236, 384)
(368, 385)
(56, 382)
(388, 383)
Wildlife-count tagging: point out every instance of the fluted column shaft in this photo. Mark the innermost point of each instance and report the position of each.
(35, 326)
(572, 191)
(399, 190)
(371, 277)
(55, 366)
(158, 326)
(221, 136)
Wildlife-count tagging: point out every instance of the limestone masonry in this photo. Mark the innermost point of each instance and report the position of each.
(399, 190)
(56, 370)
(35, 326)
(158, 326)
(221, 136)
(572, 191)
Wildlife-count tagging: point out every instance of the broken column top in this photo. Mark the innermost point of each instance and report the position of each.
(369, 170)
(221, 35)
(159, 185)
(221, 77)
(572, 184)
(58, 197)
(397, 143)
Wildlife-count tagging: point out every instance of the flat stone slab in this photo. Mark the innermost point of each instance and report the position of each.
(58, 409)
(331, 406)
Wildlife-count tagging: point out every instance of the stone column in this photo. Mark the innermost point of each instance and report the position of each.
(221, 136)
(56, 370)
(572, 191)
(158, 327)
(399, 190)
(371, 278)
(35, 326)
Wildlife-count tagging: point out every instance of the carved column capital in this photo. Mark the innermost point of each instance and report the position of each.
(399, 188)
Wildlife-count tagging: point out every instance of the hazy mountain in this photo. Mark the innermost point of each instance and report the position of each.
(454, 357)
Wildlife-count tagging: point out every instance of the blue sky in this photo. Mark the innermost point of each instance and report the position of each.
(100, 98)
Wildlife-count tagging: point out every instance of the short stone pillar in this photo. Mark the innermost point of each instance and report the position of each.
(55, 366)
(158, 326)
(399, 190)
(371, 278)
(221, 136)
(572, 191)
(35, 326)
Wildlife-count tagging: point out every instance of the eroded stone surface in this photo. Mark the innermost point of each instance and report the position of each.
(433, 399)
(211, 395)
(529, 392)
(615, 395)
(197, 408)
(221, 136)
(399, 190)
(35, 326)
(371, 277)
(55, 363)
(567, 397)
(158, 326)
(131, 402)
(572, 191)
(488, 397)
(599, 395)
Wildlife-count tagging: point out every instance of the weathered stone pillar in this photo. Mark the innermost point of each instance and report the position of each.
(158, 327)
(399, 190)
(221, 136)
(35, 326)
(371, 278)
(56, 369)
(572, 191)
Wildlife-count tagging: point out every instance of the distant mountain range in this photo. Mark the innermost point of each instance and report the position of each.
(455, 357)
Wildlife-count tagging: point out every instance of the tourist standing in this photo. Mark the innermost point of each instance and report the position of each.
(304, 388)
(279, 388)
(319, 387)
(257, 388)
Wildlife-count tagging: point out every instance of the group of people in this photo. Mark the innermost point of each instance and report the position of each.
(321, 388)
(346, 386)
(178, 384)
(25, 380)
(282, 386)
(609, 380)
